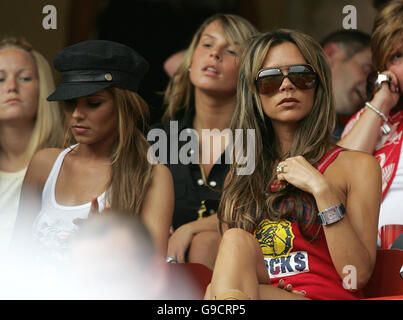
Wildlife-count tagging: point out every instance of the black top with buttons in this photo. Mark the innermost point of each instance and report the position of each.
(193, 199)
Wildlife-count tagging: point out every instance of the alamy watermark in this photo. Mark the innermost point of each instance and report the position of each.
(189, 152)
(350, 20)
(50, 20)
(350, 280)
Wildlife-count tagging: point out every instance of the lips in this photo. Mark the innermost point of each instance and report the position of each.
(210, 69)
(80, 129)
(13, 100)
(288, 101)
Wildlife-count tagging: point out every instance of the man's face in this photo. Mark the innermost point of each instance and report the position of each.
(349, 76)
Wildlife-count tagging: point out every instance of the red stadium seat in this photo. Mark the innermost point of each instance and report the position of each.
(386, 282)
(389, 233)
(200, 277)
(201, 274)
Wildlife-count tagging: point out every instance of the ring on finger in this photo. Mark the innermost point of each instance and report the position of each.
(380, 79)
(280, 169)
(171, 260)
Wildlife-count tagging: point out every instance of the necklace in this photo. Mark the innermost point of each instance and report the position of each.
(203, 207)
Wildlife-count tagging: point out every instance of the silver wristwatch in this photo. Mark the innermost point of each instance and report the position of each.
(332, 214)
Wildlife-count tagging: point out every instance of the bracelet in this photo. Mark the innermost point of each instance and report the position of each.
(385, 127)
(378, 112)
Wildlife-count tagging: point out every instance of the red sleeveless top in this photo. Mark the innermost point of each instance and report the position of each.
(389, 146)
(305, 264)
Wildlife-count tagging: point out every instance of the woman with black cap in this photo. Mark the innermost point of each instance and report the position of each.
(105, 161)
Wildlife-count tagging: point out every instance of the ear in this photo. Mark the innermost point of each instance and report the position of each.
(332, 52)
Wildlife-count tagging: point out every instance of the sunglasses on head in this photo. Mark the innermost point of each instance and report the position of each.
(302, 76)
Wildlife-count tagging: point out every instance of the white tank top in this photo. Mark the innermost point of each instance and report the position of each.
(10, 189)
(391, 211)
(54, 227)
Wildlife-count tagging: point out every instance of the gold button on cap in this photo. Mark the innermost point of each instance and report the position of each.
(108, 77)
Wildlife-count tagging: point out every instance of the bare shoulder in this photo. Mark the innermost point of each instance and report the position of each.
(357, 165)
(45, 157)
(47, 154)
(357, 160)
(162, 173)
(160, 195)
(41, 164)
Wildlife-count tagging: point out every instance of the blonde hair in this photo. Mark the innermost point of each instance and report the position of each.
(244, 201)
(48, 128)
(131, 172)
(386, 32)
(179, 93)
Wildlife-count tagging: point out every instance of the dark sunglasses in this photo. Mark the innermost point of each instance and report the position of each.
(301, 75)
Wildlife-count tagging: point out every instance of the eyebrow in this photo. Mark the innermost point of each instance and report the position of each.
(19, 71)
(235, 43)
(396, 50)
(393, 51)
(208, 35)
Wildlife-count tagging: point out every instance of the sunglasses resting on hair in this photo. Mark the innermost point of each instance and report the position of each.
(302, 76)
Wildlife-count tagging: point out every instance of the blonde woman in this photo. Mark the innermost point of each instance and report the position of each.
(368, 131)
(304, 218)
(105, 160)
(27, 122)
(201, 95)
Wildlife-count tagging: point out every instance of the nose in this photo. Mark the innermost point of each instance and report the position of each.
(215, 54)
(12, 85)
(286, 85)
(78, 111)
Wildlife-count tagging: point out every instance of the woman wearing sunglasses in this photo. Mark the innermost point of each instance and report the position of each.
(303, 221)
(201, 95)
(378, 128)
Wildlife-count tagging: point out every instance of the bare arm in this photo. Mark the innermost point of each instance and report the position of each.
(366, 132)
(181, 239)
(206, 224)
(158, 207)
(351, 241)
(31, 193)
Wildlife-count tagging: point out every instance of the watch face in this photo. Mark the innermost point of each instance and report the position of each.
(332, 216)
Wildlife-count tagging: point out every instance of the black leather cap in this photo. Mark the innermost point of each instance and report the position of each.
(91, 66)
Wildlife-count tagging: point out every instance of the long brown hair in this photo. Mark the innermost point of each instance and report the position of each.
(246, 200)
(179, 93)
(131, 172)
